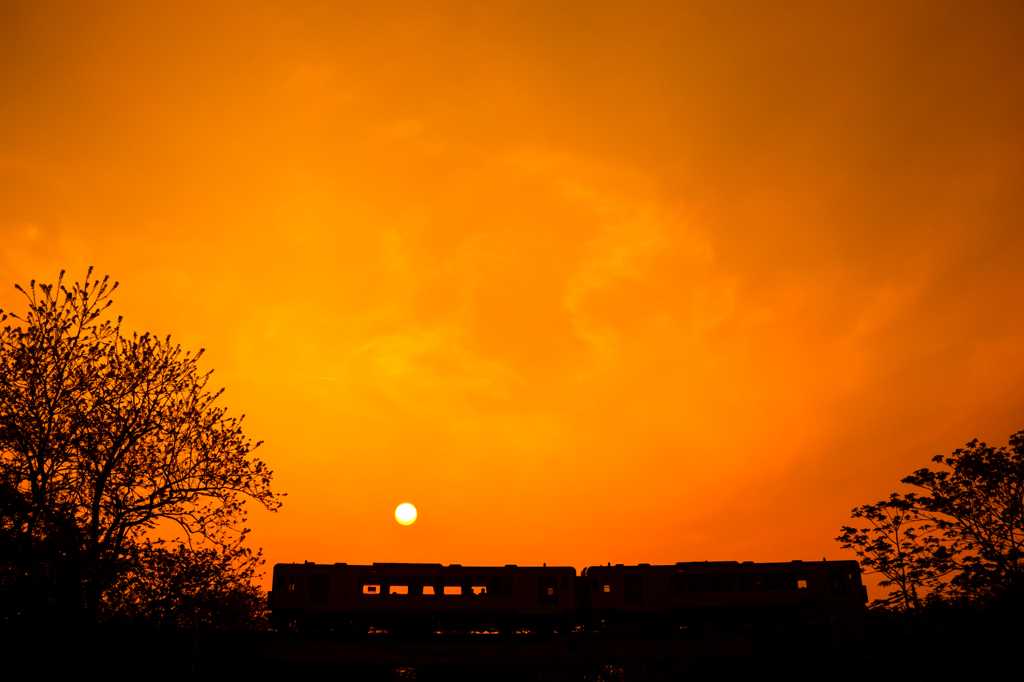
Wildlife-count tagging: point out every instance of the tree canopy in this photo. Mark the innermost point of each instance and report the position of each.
(103, 437)
(960, 539)
(185, 587)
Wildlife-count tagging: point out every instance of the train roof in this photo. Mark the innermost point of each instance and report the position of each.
(387, 565)
(726, 565)
(699, 566)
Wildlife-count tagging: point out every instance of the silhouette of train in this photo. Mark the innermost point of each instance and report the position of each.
(429, 597)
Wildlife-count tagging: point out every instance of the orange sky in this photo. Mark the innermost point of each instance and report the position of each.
(584, 281)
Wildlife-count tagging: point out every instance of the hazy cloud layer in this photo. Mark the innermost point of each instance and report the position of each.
(596, 282)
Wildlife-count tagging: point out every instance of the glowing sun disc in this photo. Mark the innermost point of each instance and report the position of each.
(405, 514)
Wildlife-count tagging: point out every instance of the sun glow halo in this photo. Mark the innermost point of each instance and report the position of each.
(405, 514)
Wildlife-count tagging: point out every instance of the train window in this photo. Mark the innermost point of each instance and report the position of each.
(547, 593)
(678, 584)
(607, 588)
(801, 584)
(503, 587)
(371, 589)
(704, 583)
(318, 586)
(780, 581)
(731, 583)
(399, 589)
(837, 583)
(291, 584)
(428, 589)
(752, 581)
(453, 589)
(634, 589)
(479, 589)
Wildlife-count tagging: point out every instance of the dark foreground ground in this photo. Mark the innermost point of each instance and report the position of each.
(942, 644)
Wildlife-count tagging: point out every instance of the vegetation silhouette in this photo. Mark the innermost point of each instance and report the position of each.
(106, 439)
(958, 542)
(103, 436)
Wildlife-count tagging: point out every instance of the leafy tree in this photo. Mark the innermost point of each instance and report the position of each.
(102, 437)
(961, 540)
(893, 547)
(977, 508)
(185, 587)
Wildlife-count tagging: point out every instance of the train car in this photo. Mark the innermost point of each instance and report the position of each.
(708, 590)
(394, 596)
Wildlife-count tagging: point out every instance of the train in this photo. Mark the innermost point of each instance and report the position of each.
(393, 597)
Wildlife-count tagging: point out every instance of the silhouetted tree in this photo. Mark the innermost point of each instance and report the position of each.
(102, 436)
(187, 587)
(893, 547)
(977, 509)
(962, 540)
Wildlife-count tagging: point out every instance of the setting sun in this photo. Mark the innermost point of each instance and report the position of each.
(405, 514)
(716, 273)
